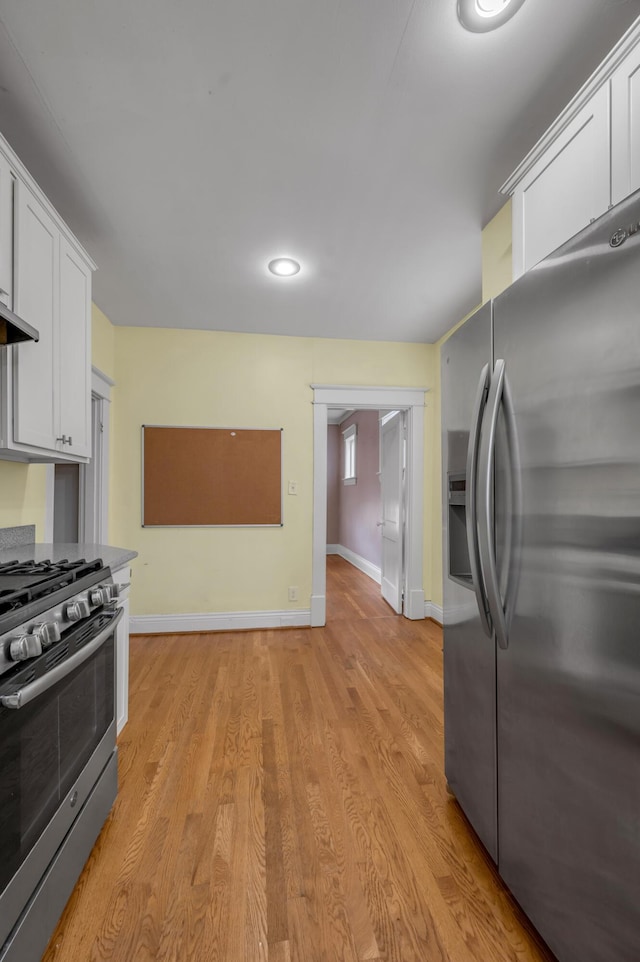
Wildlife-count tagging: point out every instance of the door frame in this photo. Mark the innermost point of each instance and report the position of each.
(93, 488)
(400, 471)
(411, 400)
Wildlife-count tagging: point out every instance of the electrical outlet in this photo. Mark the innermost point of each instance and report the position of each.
(293, 487)
(293, 592)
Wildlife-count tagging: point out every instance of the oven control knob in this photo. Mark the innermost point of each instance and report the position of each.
(116, 590)
(47, 633)
(100, 596)
(77, 610)
(26, 646)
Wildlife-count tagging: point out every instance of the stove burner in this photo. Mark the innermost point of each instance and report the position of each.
(22, 582)
(39, 567)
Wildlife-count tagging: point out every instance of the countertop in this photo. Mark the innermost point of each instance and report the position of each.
(112, 556)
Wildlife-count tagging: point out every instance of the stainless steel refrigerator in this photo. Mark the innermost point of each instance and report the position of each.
(541, 465)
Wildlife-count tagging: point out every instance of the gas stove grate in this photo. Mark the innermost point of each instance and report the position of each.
(22, 582)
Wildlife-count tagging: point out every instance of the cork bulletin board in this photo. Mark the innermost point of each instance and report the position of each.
(211, 476)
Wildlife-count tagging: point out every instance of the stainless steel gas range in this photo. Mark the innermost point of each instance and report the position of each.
(58, 756)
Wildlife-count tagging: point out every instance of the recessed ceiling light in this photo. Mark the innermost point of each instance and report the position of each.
(283, 266)
(483, 15)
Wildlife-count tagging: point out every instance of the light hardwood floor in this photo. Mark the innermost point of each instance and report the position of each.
(282, 798)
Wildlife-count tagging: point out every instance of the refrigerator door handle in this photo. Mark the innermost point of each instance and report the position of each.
(514, 540)
(472, 509)
(485, 497)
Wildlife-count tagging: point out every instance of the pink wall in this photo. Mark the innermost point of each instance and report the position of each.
(359, 503)
(334, 440)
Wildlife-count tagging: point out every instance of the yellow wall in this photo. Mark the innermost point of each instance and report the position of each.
(497, 267)
(23, 488)
(496, 276)
(236, 380)
(198, 377)
(103, 342)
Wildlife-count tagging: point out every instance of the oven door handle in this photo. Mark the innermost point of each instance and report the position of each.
(22, 697)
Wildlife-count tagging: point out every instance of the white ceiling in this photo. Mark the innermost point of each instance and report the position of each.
(187, 143)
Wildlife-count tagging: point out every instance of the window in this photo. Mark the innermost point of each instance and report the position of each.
(349, 442)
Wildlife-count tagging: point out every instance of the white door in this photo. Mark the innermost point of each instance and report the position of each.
(392, 489)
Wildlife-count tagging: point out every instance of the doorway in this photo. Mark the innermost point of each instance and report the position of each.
(393, 451)
(410, 401)
(66, 503)
(366, 461)
(77, 494)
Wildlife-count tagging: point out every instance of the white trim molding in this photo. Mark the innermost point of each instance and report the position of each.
(219, 621)
(359, 398)
(49, 499)
(367, 568)
(350, 453)
(368, 398)
(96, 473)
(434, 611)
(101, 383)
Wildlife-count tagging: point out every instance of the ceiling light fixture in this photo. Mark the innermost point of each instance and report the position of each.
(283, 266)
(483, 15)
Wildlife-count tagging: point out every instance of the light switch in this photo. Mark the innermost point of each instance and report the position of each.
(293, 487)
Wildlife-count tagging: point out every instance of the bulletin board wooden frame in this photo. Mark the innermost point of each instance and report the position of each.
(196, 477)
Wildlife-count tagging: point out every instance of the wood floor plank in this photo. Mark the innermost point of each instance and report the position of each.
(282, 799)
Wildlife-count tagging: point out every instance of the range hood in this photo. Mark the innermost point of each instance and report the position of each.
(13, 329)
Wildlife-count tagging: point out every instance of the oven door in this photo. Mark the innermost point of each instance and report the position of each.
(57, 733)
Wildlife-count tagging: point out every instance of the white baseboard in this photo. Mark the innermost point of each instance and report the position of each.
(432, 610)
(357, 561)
(219, 621)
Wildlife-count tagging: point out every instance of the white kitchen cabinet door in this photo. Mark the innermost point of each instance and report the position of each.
(567, 187)
(36, 299)
(6, 233)
(74, 352)
(625, 127)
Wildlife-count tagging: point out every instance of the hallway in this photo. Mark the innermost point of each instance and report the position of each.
(352, 594)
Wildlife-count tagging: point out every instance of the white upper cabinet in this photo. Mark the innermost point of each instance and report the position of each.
(6, 233)
(74, 390)
(45, 387)
(625, 127)
(36, 299)
(568, 187)
(588, 160)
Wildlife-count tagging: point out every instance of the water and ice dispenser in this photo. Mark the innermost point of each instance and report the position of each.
(459, 565)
